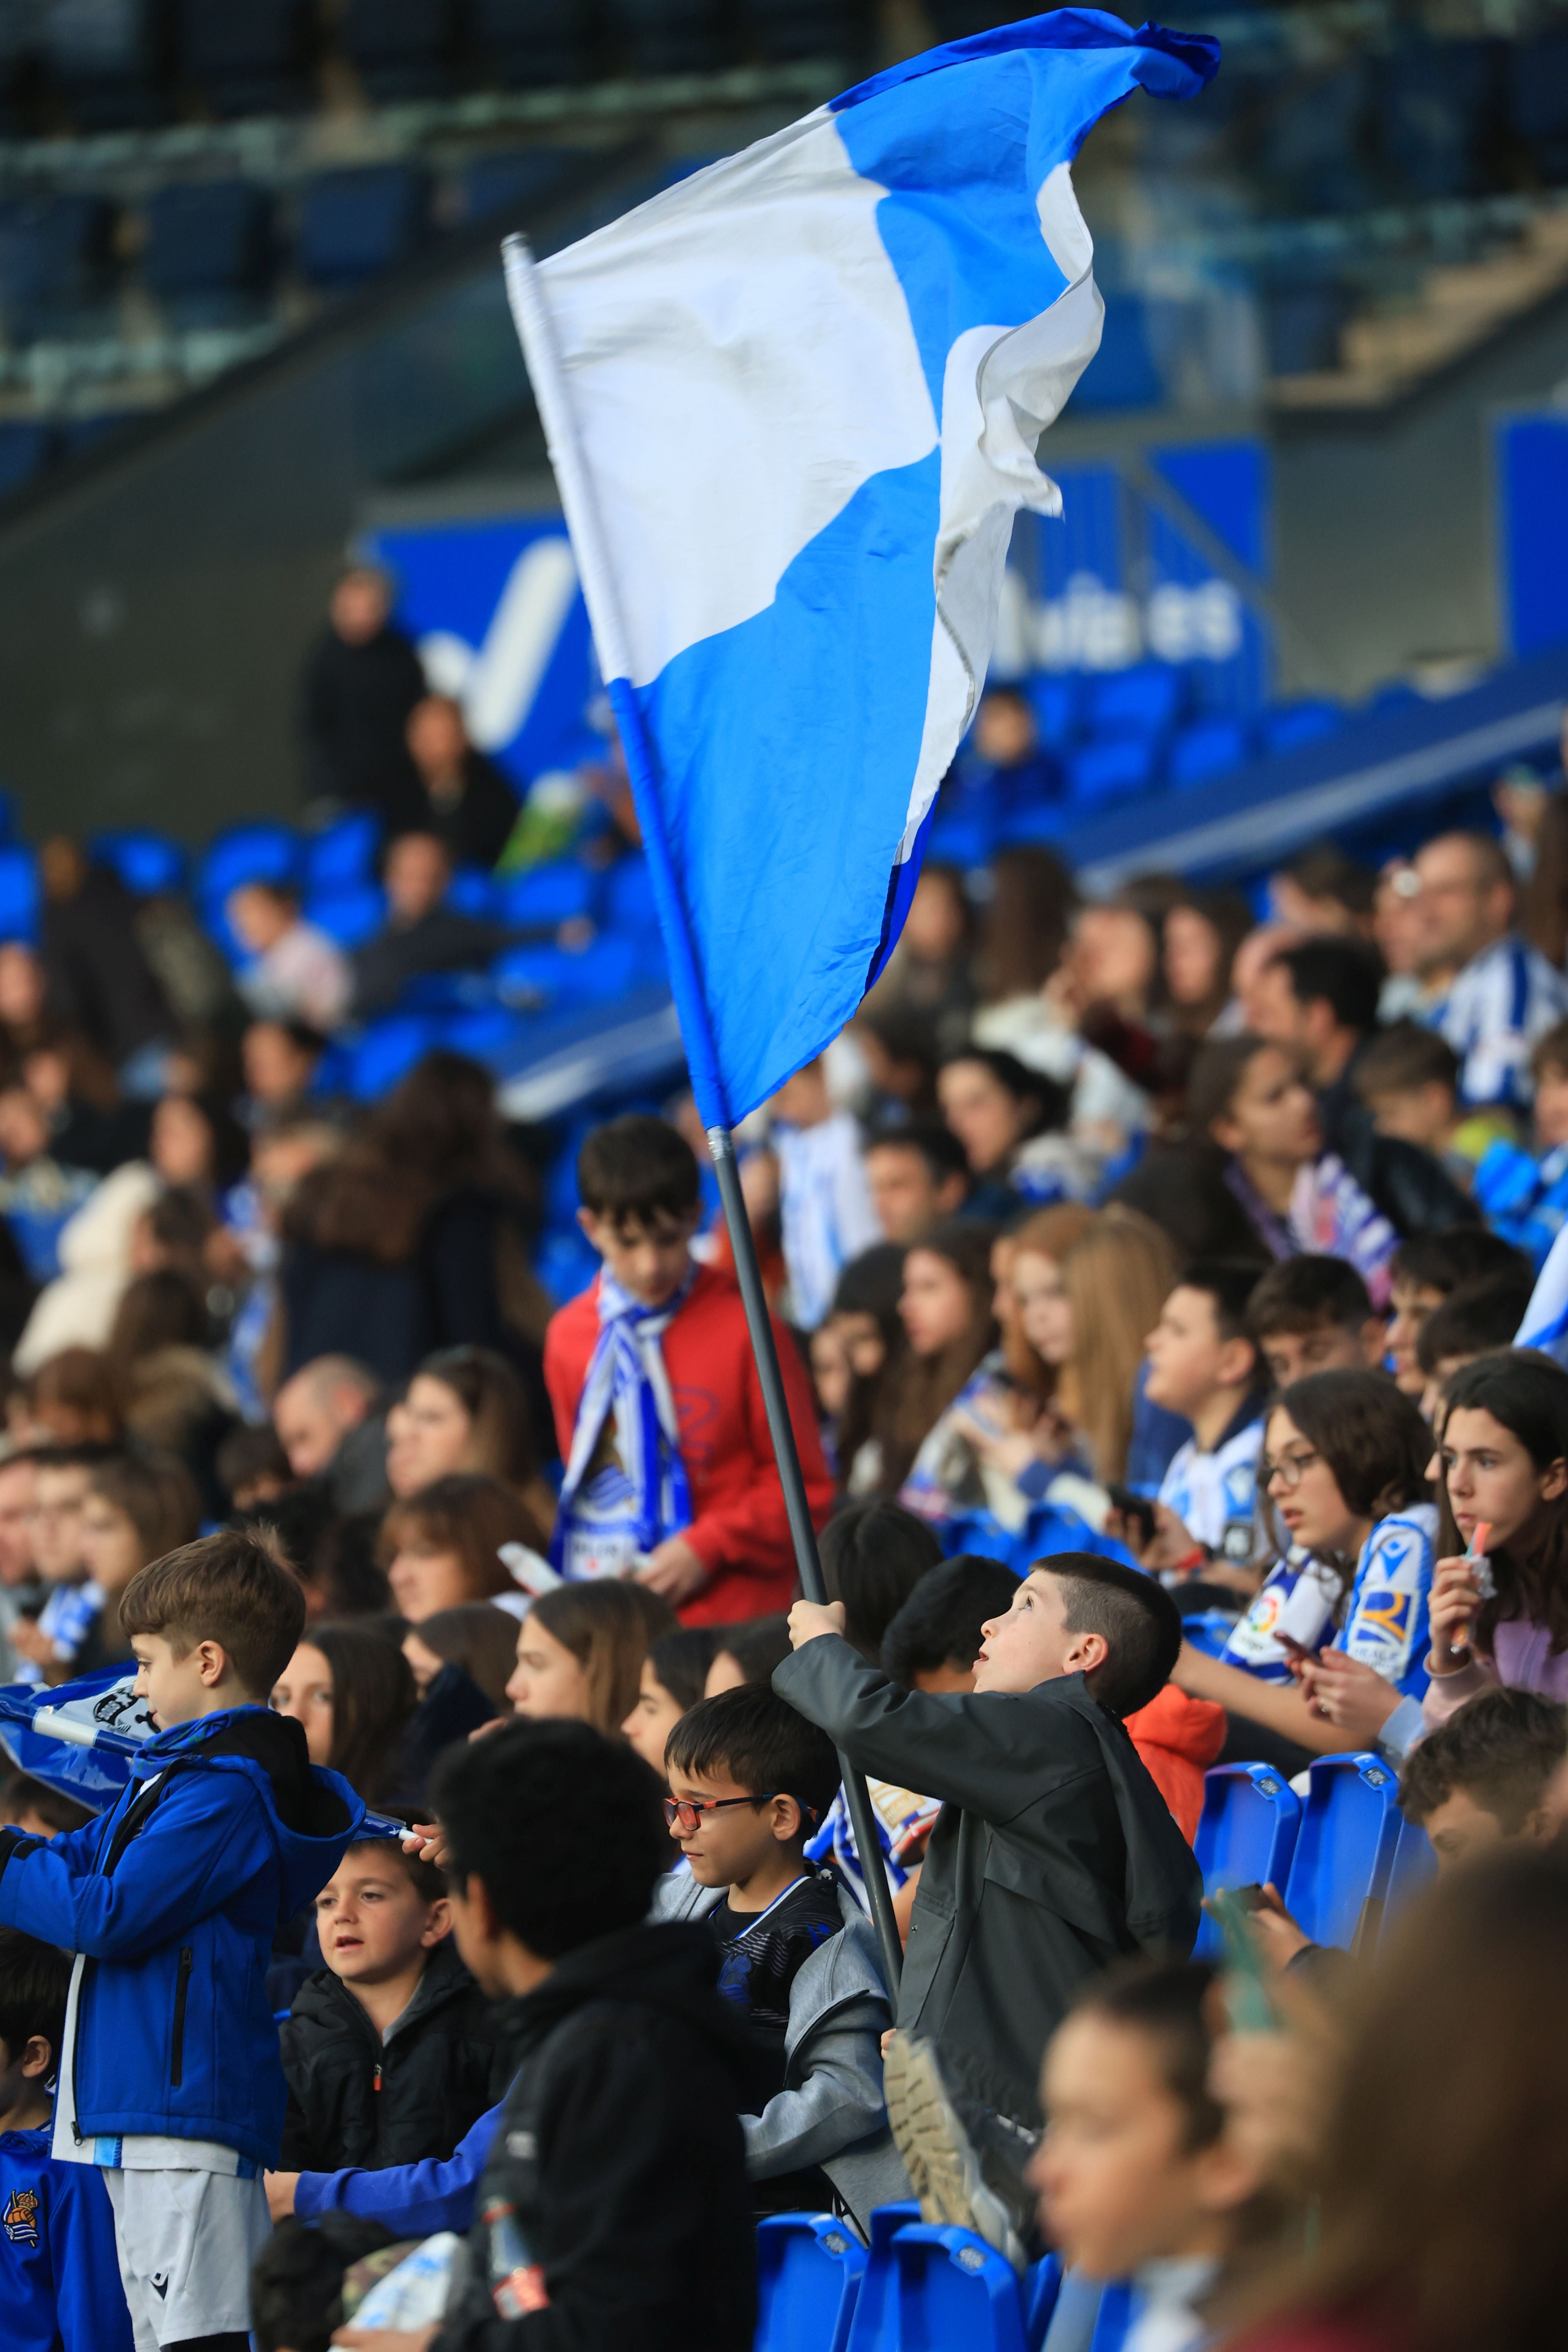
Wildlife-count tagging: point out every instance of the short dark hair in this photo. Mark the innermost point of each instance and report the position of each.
(680, 1661)
(757, 1644)
(1228, 1283)
(637, 1170)
(939, 1624)
(1167, 2001)
(230, 1587)
(755, 1739)
(251, 1451)
(1341, 973)
(34, 1979)
(937, 1145)
(59, 1814)
(1016, 1078)
(1474, 1320)
(1402, 1057)
(1217, 1076)
(1501, 1748)
(874, 1553)
(296, 2279)
(1327, 873)
(1140, 1625)
(428, 1882)
(1369, 1432)
(1461, 1253)
(564, 1825)
(1309, 1294)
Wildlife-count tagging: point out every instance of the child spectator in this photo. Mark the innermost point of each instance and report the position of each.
(580, 1652)
(747, 1654)
(1424, 1271)
(136, 1508)
(392, 2051)
(252, 1468)
(1204, 1363)
(1054, 1852)
(1504, 1457)
(1344, 1468)
(657, 1406)
(934, 1641)
(1476, 1319)
(1482, 1776)
(60, 2281)
(477, 1636)
(39, 1810)
(1523, 1195)
(297, 973)
(946, 1373)
(441, 1547)
(750, 1780)
(631, 2071)
(673, 1674)
(49, 1646)
(39, 1197)
(224, 1830)
(873, 1556)
(918, 1175)
(1314, 1314)
(1408, 1078)
(351, 1691)
(826, 1209)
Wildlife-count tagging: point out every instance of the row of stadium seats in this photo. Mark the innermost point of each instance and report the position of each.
(1339, 1859)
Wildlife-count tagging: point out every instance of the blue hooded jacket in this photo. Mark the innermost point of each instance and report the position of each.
(60, 2273)
(173, 1897)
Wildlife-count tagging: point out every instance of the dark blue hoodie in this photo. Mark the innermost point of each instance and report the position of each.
(173, 1897)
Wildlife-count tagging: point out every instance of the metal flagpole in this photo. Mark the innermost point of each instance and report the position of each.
(536, 333)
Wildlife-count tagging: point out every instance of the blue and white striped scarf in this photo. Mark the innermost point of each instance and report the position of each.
(608, 1521)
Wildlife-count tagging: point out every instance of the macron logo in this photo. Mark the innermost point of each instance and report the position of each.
(497, 685)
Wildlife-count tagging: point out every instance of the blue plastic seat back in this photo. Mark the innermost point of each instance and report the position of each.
(874, 2325)
(953, 2290)
(260, 851)
(1145, 700)
(607, 968)
(204, 235)
(1247, 1835)
(486, 1033)
(1114, 2322)
(962, 837)
(513, 181)
(1206, 748)
(18, 894)
(355, 222)
(388, 1051)
(1056, 698)
(1295, 723)
(1414, 1864)
(556, 893)
(472, 894)
(148, 863)
(566, 1264)
(809, 2267)
(26, 449)
(1344, 1848)
(1114, 768)
(345, 851)
(1038, 2289)
(349, 912)
(628, 896)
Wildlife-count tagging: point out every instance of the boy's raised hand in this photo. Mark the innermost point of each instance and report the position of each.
(428, 1840)
(808, 1619)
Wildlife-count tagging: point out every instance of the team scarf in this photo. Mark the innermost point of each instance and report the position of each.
(607, 1520)
(1330, 1216)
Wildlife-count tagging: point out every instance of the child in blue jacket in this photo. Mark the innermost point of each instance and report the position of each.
(59, 2283)
(170, 2079)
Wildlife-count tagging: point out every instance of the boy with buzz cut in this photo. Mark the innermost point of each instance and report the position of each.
(1314, 1314)
(750, 1780)
(669, 1472)
(1483, 1775)
(1054, 1853)
(60, 2283)
(169, 2079)
(1204, 1363)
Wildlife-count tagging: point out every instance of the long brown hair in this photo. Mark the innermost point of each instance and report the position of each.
(372, 1698)
(919, 1389)
(472, 1515)
(500, 1436)
(1373, 1439)
(1528, 1393)
(1117, 1279)
(1025, 923)
(608, 1627)
(1049, 1233)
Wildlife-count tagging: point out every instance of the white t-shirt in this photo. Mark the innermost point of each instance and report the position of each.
(1212, 1494)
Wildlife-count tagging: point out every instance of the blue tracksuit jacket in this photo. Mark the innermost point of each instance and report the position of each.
(60, 2273)
(173, 1897)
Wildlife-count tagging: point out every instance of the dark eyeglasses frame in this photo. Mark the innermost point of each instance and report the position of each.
(675, 1807)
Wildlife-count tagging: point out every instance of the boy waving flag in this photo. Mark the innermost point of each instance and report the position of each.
(793, 405)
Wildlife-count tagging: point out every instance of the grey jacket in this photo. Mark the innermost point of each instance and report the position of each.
(830, 2112)
(1054, 1854)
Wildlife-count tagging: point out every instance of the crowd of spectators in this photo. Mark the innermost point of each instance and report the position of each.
(1146, 1272)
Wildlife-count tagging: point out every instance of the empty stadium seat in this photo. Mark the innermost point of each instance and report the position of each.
(387, 1050)
(208, 247)
(602, 971)
(344, 851)
(258, 851)
(565, 1264)
(951, 2289)
(246, 56)
(531, 43)
(1038, 2290)
(1535, 80)
(1293, 724)
(54, 258)
(513, 179)
(1145, 700)
(962, 837)
(472, 894)
(628, 895)
(1113, 768)
(809, 2267)
(1055, 698)
(349, 912)
(669, 37)
(148, 863)
(353, 224)
(875, 2307)
(486, 1033)
(1247, 1835)
(26, 450)
(1413, 1863)
(1302, 324)
(18, 894)
(557, 893)
(102, 56)
(401, 48)
(1344, 1849)
(1206, 748)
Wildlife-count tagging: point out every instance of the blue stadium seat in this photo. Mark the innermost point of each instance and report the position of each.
(26, 450)
(513, 179)
(1206, 748)
(1113, 768)
(669, 37)
(1536, 87)
(1302, 324)
(55, 258)
(565, 1264)
(531, 43)
(874, 2323)
(809, 2267)
(1413, 1863)
(556, 893)
(628, 896)
(1145, 700)
(151, 865)
(344, 851)
(246, 56)
(1057, 699)
(1344, 1849)
(962, 837)
(388, 1051)
(80, 433)
(1039, 2288)
(349, 912)
(354, 224)
(472, 894)
(1043, 821)
(486, 1033)
(18, 894)
(951, 2289)
(1247, 1835)
(401, 48)
(1114, 2320)
(102, 56)
(208, 247)
(258, 851)
(1293, 724)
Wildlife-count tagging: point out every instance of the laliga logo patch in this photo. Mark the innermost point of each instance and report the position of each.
(21, 2217)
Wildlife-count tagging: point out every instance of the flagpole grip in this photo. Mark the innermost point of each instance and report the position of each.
(802, 1535)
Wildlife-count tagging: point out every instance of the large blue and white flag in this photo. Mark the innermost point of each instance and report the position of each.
(792, 403)
(78, 1738)
(1545, 1324)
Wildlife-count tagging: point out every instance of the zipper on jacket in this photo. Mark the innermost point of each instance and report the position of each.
(182, 1991)
(375, 2083)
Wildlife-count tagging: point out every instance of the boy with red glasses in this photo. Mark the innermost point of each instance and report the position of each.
(750, 1782)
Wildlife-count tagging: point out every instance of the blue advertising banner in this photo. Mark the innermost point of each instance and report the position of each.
(497, 614)
(1531, 487)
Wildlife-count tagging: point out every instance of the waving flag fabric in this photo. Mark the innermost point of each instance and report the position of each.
(89, 1732)
(1545, 1324)
(794, 403)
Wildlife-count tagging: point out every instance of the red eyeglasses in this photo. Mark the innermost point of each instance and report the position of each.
(685, 1814)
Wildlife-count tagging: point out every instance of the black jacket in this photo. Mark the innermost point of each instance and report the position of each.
(354, 712)
(442, 940)
(615, 2214)
(356, 2100)
(1413, 1188)
(477, 825)
(1053, 1854)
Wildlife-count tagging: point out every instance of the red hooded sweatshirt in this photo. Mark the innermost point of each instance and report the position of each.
(738, 1529)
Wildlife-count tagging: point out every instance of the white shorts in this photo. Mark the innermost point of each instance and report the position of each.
(186, 2241)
